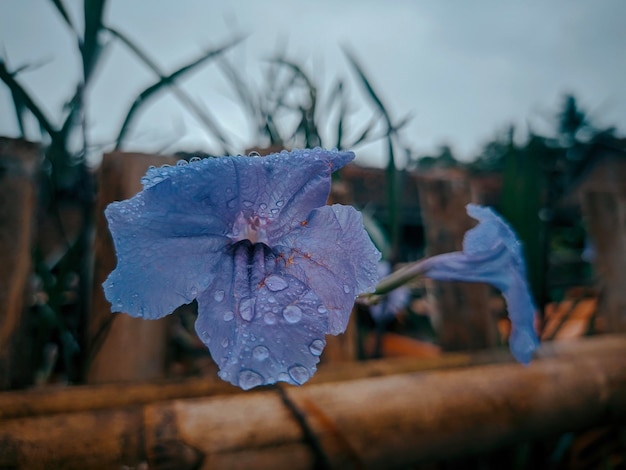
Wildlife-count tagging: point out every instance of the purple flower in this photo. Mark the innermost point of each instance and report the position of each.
(492, 254)
(273, 269)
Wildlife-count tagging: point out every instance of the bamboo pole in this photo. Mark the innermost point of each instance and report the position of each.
(19, 162)
(112, 336)
(460, 309)
(602, 196)
(373, 422)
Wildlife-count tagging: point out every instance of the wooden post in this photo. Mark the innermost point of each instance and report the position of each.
(19, 161)
(461, 313)
(122, 348)
(389, 421)
(603, 203)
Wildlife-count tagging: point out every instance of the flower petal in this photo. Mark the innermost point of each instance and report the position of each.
(261, 333)
(333, 255)
(492, 254)
(166, 252)
(283, 187)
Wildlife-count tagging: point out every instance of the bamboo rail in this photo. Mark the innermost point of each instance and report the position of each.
(370, 420)
(19, 163)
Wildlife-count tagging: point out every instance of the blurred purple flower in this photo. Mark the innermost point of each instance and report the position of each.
(273, 269)
(492, 254)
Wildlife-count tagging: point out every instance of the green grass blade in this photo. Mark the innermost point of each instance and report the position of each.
(202, 115)
(20, 109)
(21, 94)
(91, 46)
(393, 199)
(146, 95)
(63, 12)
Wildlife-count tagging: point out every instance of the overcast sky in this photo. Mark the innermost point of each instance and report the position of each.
(464, 69)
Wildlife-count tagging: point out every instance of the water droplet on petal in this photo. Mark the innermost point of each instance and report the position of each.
(276, 283)
(193, 291)
(254, 153)
(292, 313)
(322, 309)
(194, 159)
(317, 346)
(262, 206)
(274, 211)
(279, 203)
(283, 377)
(248, 203)
(218, 295)
(228, 315)
(181, 162)
(260, 353)
(246, 309)
(346, 288)
(299, 374)
(269, 319)
(249, 379)
(225, 343)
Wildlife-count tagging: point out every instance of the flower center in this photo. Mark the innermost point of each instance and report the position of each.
(249, 227)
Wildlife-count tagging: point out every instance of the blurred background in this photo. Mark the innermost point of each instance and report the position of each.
(521, 107)
(461, 72)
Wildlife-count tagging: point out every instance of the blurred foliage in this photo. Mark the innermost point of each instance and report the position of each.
(538, 176)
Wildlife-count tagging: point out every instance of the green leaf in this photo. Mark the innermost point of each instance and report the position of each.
(63, 11)
(149, 93)
(20, 109)
(91, 45)
(202, 115)
(24, 98)
(393, 200)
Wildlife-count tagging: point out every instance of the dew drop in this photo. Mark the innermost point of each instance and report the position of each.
(346, 288)
(228, 315)
(225, 343)
(271, 299)
(321, 309)
(276, 283)
(254, 153)
(181, 162)
(283, 377)
(246, 309)
(194, 159)
(274, 211)
(249, 379)
(193, 291)
(262, 206)
(299, 374)
(317, 346)
(269, 319)
(279, 203)
(260, 353)
(292, 313)
(218, 295)
(248, 203)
